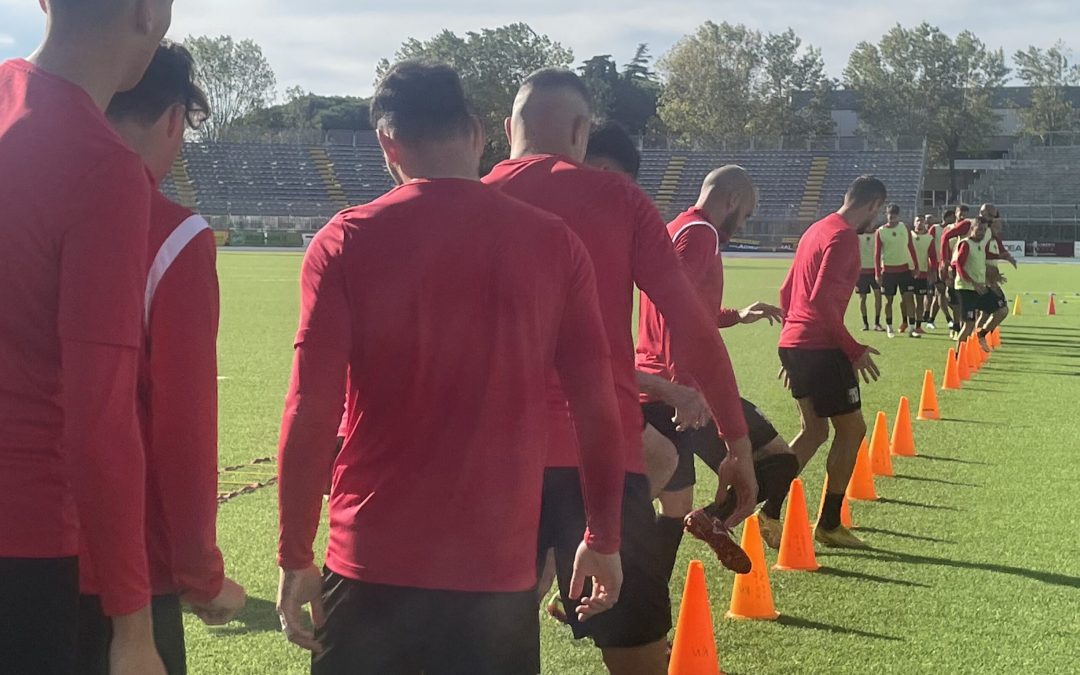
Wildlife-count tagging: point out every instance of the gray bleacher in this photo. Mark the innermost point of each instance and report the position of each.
(902, 172)
(361, 171)
(1038, 193)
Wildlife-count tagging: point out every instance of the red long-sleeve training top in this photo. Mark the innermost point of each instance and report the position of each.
(697, 244)
(73, 229)
(955, 232)
(628, 243)
(449, 304)
(818, 288)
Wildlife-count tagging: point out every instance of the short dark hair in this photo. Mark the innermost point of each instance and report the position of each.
(894, 210)
(963, 208)
(612, 141)
(421, 101)
(949, 216)
(865, 190)
(558, 78)
(169, 80)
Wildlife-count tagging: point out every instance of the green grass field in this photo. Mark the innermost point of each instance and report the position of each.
(976, 559)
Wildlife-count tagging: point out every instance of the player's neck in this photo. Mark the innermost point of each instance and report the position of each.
(91, 67)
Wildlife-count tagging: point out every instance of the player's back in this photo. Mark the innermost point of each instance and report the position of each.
(803, 325)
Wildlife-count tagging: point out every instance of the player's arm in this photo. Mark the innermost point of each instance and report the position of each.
(696, 249)
(691, 410)
(183, 456)
(309, 426)
(878, 267)
(913, 253)
(102, 277)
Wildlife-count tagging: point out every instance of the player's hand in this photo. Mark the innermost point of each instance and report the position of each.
(878, 278)
(223, 608)
(783, 377)
(759, 311)
(296, 589)
(607, 577)
(737, 472)
(866, 367)
(691, 410)
(132, 650)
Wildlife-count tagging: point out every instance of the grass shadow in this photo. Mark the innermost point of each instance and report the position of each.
(956, 420)
(942, 481)
(258, 616)
(1051, 578)
(935, 458)
(905, 535)
(862, 576)
(798, 622)
(904, 502)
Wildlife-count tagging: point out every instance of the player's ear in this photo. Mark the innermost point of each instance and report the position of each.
(479, 138)
(389, 146)
(508, 125)
(176, 120)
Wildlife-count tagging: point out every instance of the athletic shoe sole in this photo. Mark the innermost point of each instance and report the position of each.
(712, 532)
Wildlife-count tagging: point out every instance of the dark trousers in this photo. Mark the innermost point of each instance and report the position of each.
(39, 615)
(95, 634)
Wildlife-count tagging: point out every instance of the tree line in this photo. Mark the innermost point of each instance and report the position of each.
(720, 82)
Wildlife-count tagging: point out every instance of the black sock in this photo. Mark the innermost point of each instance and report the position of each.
(774, 474)
(722, 511)
(830, 512)
(865, 321)
(983, 333)
(926, 317)
(877, 319)
(932, 316)
(669, 532)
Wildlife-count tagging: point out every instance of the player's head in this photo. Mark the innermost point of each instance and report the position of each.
(988, 212)
(129, 29)
(893, 213)
(424, 123)
(552, 115)
(979, 227)
(948, 216)
(612, 149)
(922, 224)
(863, 201)
(962, 212)
(728, 197)
(153, 116)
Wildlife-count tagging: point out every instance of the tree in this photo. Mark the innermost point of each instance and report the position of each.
(492, 64)
(304, 110)
(236, 77)
(630, 97)
(920, 82)
(1049, 73)
(790, 69)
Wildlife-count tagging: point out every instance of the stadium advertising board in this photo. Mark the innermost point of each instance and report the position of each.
(1017, 248)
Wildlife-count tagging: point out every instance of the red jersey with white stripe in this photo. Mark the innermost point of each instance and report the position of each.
(818, 288)
(628, 243)
(74, 208)
(697, 243)
(178, 405)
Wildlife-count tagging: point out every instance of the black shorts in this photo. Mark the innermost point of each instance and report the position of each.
(971, 303)
(922, 286)
(826, 377)
(372, 629)
(894, 281)
(865, 283)
(705, 442)
(95, 634)
(643, 613)
(952, 296)
(39, 619)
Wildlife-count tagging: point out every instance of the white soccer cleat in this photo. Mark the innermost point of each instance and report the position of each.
(929, 326)
(889, 332)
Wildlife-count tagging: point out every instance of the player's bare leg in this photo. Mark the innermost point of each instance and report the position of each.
(850, 432)
(877, 310)
(661, 460)
(650, 659)
(813, 434)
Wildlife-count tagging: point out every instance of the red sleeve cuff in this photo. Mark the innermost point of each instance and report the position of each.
(728, 318)
(607, 545)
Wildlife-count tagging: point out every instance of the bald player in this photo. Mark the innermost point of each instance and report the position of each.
(626, 238)
(73, 240)
(727, 199)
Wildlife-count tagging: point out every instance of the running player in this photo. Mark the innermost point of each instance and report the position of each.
(995, 254)
(926, 257)
(626, 238)
(895, 265)
(949, 239)
(867, 278)
(942, 289)
(970, 264)
(73, 230)
(444, 307)
(177, 381)
(727, 199)
(821, 361)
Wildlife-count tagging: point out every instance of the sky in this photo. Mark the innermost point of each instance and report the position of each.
(331, 47)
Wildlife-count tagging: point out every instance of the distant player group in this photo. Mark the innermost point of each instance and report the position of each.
(501, 428)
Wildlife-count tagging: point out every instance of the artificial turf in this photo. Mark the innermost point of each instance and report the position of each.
(976, 558)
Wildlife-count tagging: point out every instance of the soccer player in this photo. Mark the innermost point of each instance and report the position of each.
(895, 266)
(950, 237)
(995, 253)
(970, 264)
(177, 381)
(73, 226)
(611, 149)
(727, 199)
(867, 278)
(942, 289)
(821, 361)
(444, 307)
(626, 238)
(926, 258)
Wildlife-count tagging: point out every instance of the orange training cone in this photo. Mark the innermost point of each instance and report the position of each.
(1052, 309)
(928, 405)
(952, 373)
(751, 597)
(861, 486)
(903, 440)
(962, 362)
(797, 542)
(845, 510)
(972, 355)
(694, 649)
(880, 462)
(995, 338)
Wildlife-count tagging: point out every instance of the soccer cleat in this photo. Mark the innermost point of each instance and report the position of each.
(841, 537)
(903, 327)
(915, 334)
(554, 608)
(878, 328)
(929, 326)
(771, 530)
(952, 335)
(919, 330)
(889, 332)
(984, 344)
(865, 327)
(712, 532)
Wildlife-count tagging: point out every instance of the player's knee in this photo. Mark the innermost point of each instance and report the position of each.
(816, 431)
(851, 427)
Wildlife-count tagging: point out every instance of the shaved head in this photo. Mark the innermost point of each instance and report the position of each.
(728, 197)
(552, 115)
